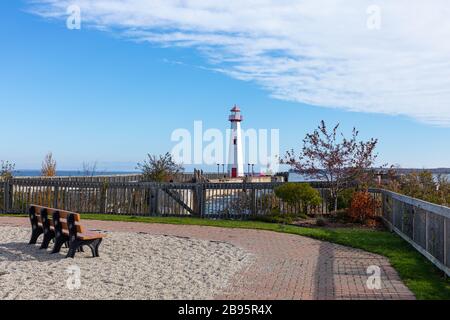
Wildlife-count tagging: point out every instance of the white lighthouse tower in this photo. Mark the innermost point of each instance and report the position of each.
(236, 156)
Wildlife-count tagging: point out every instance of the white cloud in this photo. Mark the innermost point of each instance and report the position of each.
(319, 52)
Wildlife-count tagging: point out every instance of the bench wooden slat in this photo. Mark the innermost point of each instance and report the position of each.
(90, 235)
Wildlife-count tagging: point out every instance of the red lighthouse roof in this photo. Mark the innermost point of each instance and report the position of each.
(236, 109)
(236, 114)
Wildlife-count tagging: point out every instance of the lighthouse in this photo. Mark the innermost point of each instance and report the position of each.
(236, 156)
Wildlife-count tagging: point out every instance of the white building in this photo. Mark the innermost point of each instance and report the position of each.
(236, 156)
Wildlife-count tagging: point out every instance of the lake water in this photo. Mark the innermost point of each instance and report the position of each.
(69, 173)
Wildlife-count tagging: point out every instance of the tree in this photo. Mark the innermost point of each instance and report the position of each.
(160, 168)
(298, 193)
(421, 185)
(331, 157)
(48, 168)
(7, 170)
(89, 169)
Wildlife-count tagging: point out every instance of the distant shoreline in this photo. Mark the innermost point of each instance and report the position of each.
(435, 171)
(71, 173)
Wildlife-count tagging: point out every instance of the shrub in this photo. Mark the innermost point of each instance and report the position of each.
(6, 169)
(274, 218)
(345, 198)
(240, 205)
(362, 207)
(298, 193)
(48, 168)
(321, 222)
(341, 215)
(89, 169)
(270, 204)
(160, 169)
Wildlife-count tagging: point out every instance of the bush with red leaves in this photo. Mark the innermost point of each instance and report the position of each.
(363, 207)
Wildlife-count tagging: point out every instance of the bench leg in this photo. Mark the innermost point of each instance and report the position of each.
(58, 244)
(97, 245)
(73, 248)
(77, 246)
(35, 235)
(46, 241)
(94, 245)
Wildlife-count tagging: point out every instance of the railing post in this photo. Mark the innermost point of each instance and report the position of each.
(203, 200)
(7, 198)
(149, 200)
(445, 242)
(156, 201)
(153, 200)
(426, 231)
(55, 197)
(103, 191)
(393, 209)
(5, 191)
(253, 208)
(199, 196)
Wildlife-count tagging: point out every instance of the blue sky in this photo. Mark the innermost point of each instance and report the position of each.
(90, 95)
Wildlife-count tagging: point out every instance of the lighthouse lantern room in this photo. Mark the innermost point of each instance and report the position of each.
(236, 156)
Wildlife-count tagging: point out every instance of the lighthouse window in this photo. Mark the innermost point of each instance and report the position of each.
(235, 141)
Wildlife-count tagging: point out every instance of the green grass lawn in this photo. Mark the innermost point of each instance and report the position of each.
(420, 275)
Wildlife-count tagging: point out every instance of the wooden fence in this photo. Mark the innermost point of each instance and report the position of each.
(100, 178)
(208, 200)
(185, 177)
(424, 225)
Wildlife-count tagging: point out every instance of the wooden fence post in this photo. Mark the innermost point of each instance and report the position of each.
(427, 246)
(203, 200)
(103, 191)
(55, 197)
(150, 201)
(156, 201)
(197, 199)
(445, 243)
(5, 191)
(153, 200)
(253, 208)
(8, 196)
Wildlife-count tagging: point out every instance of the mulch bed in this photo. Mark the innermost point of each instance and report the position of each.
(332, 223)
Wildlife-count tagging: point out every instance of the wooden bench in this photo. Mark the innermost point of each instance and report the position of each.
(63, 227)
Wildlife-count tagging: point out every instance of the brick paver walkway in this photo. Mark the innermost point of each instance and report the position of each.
(285, 266)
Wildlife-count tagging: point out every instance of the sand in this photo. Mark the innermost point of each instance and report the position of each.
(131, 266)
